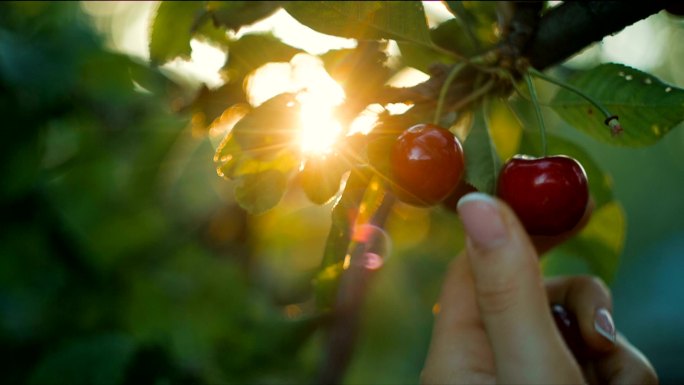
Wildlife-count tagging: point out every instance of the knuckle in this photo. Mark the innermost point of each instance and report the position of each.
(599, 283)
(593, 285)
(498, 297)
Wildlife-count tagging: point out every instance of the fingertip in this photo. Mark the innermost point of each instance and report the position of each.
(604, 327)
(482, 219)
(589, 298)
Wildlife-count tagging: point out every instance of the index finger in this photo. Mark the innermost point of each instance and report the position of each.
(459, 350)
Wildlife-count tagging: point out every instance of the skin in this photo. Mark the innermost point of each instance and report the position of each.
(495, 324)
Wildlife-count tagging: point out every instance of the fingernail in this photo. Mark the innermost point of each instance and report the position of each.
(482, 220)
(603, 323)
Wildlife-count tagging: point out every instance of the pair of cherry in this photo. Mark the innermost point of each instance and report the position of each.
(549, 194)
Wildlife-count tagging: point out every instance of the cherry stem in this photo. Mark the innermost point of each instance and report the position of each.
(611, 120)
(537, 109)
(445, 87)
(475, 94)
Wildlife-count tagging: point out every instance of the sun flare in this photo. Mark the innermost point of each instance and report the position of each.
(319, 131)
(317, 93)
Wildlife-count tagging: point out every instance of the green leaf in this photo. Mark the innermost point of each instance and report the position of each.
(362, 73)
(472, 31)
(206, 29)
(452, 36)
(600, 183)
(482, 161)
(320, 177)
(421, 57)
(152, 79)
(504, 128)
(210, 104)
(260, 153)
(252, 51)
(599, 245)
(365, 20)
(235, 14)
(344, 215)
(237, 163)
(258, 193)
(269, 128)
(171, 30)
(97, 360)
(648, 108)
(326, 284)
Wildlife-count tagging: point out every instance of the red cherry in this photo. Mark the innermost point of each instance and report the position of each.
(549, 194)
(427, 164)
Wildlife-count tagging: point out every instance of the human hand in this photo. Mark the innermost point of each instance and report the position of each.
(495, 324)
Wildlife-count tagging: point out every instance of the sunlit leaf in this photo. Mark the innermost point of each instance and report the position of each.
(252, 51)
(343, 216)
(171, 29)
(648, 108)
(600, 183)
(361, 72)
(374, 20)
(599, 245)
(269, 128)
(206, 29)
(326, 284)
(482, 161)
(210, 104)
(258, 193)
(235, 14)
(239, 163)
(504, 129)
(347, 65)
(334, 57)
(320, 177)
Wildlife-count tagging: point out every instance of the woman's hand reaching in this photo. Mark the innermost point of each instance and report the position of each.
(496, 323)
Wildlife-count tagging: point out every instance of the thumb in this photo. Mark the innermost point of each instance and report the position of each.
(511, 297)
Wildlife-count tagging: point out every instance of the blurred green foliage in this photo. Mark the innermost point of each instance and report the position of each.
(122, 259)
(123, 256)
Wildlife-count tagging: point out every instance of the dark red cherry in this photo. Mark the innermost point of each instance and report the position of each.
(548, 194)
(426, 164)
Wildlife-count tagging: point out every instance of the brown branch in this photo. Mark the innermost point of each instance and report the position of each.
(574, 25)
(560, 33)
(351, 294)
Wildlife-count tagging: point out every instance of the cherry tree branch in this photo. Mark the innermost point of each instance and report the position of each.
(574, 25)
(365, 259)
(558, 34)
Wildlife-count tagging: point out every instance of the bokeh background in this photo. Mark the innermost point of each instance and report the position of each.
(125, 259)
